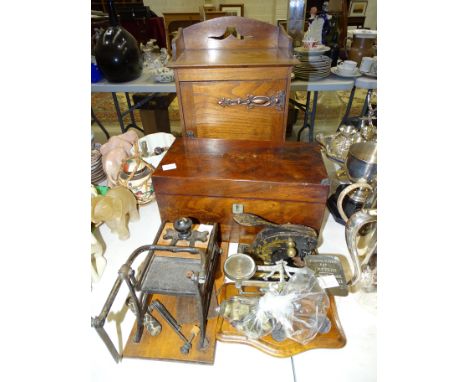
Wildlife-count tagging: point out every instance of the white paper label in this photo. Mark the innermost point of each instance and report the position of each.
(170, 166)
(205, 227)
(232, 249)
(328, 281)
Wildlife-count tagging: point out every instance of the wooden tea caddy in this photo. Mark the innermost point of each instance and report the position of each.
(233, 77)
(213, 179)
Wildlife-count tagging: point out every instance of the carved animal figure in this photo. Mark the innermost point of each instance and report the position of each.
(114, 152)
(115, 209)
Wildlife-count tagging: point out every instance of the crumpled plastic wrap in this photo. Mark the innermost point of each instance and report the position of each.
(296, 310)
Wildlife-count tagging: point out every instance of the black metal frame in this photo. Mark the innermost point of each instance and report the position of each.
(95, 119)
(309, 116)
(121, 114)
(203, 282)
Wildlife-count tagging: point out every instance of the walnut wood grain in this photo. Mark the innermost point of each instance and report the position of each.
(219, 209)
(239, 162)
(279, 181)
(226, 74)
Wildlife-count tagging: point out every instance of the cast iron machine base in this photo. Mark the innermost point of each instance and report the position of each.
(191, 273)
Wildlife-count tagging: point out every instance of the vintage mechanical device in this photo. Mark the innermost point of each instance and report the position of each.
(182, 263)
(279, 251)
(215, 179)
(278, 242)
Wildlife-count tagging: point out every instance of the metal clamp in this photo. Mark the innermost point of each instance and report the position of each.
(250, 101)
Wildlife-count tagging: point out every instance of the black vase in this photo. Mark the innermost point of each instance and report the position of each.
(117, 52)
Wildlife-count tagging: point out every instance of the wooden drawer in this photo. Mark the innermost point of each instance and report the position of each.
(210, 110)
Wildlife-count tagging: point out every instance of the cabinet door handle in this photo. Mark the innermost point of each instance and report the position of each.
(276, 101)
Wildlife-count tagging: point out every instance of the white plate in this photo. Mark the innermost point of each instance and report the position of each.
(369, 74)
(310, 67)
(310, 78)
(312, 51)
(366, 33)
(356, 73)
(312, 72)
(314, 63)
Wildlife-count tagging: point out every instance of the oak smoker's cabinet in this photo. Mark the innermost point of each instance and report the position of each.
(233, 77)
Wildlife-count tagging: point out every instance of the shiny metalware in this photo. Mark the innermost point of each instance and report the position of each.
(353, 226)
(361, 169)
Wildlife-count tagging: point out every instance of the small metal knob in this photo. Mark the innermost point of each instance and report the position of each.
(291, 251)
(184, 227)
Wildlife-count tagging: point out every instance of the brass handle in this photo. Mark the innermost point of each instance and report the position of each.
(250, 101)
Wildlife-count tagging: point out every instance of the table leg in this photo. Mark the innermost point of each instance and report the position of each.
(306, 113)
(119, 113)
(366, 105)
(312, 117)
(95, 119)
(348, 107)
(130, 110)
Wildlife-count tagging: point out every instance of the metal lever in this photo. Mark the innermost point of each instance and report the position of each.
(156, 304)
(188, 345)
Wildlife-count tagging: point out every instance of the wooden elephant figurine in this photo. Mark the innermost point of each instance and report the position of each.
(115, 209)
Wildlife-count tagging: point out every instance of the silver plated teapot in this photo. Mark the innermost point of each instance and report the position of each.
(336, 146)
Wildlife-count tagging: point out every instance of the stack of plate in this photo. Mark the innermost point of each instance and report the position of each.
(97, 172)
(313, 64)
(315, 67)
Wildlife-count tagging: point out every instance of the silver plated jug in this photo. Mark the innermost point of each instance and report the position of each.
(353, 226)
